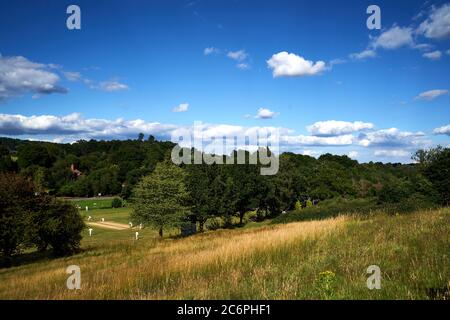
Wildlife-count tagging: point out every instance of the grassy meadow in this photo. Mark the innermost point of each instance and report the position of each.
(267, 261)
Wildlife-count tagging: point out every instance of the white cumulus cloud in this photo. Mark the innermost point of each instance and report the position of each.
(284, 64)
(443, 130)
(73, 127)
(437, 25)
(392, 137)
(394, 38)
(19, 76)
(337, 128)
(264, 113)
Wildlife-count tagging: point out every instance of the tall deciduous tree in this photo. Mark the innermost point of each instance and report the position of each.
(16, 202)
(206, 190)
(159, 199)
(435, 165)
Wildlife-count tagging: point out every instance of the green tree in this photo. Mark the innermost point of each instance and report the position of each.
(34, 154)
(435, 165)
(17, 200)
(159, 198)
(58, 224)
(206, 192)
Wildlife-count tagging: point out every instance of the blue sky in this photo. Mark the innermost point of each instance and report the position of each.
(312, 68)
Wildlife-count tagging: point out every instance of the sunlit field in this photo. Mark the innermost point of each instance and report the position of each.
(282, 261)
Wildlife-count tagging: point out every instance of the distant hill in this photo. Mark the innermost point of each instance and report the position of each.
(90, 168)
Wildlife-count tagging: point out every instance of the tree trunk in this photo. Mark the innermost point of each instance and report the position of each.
(161, 232)
(201, 225)
(241, 217)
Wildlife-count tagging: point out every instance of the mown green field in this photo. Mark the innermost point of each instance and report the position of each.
(92, 203)
(120, 215)
(278, 261)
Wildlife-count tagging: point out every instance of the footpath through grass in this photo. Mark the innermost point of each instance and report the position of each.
(282, 261)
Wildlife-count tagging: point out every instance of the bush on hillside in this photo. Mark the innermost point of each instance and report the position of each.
(117, 203)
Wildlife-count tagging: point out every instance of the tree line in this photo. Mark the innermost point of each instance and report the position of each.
(172, 195)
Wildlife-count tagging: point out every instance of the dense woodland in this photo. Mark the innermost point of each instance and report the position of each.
(90, 168)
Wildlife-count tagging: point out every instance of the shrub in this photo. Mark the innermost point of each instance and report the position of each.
(213, 223)
(298, 205)
(116, 203)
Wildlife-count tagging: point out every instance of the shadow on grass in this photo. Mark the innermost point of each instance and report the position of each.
(25, 258)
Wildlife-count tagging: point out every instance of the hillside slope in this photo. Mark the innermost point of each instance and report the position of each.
(270, 262)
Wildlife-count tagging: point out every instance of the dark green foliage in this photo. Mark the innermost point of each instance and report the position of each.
(34, 154)
(116, 203)
(206, 192)
(106, 166)
(435, 165)
(29, 218)
(17, 201)
(58, 224)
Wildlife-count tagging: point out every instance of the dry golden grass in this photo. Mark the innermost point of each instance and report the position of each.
(115, 270)
(270, 262)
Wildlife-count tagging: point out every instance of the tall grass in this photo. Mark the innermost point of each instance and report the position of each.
(271, 262)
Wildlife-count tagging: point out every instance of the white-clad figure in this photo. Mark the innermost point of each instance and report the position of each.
(87, 208)
(89, 218)
(103, 219)
(140, 226)
(90, 232)
(131, 224)
(137, 235)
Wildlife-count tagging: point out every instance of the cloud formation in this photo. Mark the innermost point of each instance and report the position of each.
(434, 55)
(182, 107)
(74, 127)
(284, 64)
(336, 128)
(394, 38)
(72, 76)
(365, 54)
(210, 50)
(437, 25)
(392, 137)
(239, 55)
(112, 85)
(264, 113)
(431, 94)
(74, 124)
(20, 76)
(445, 130)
